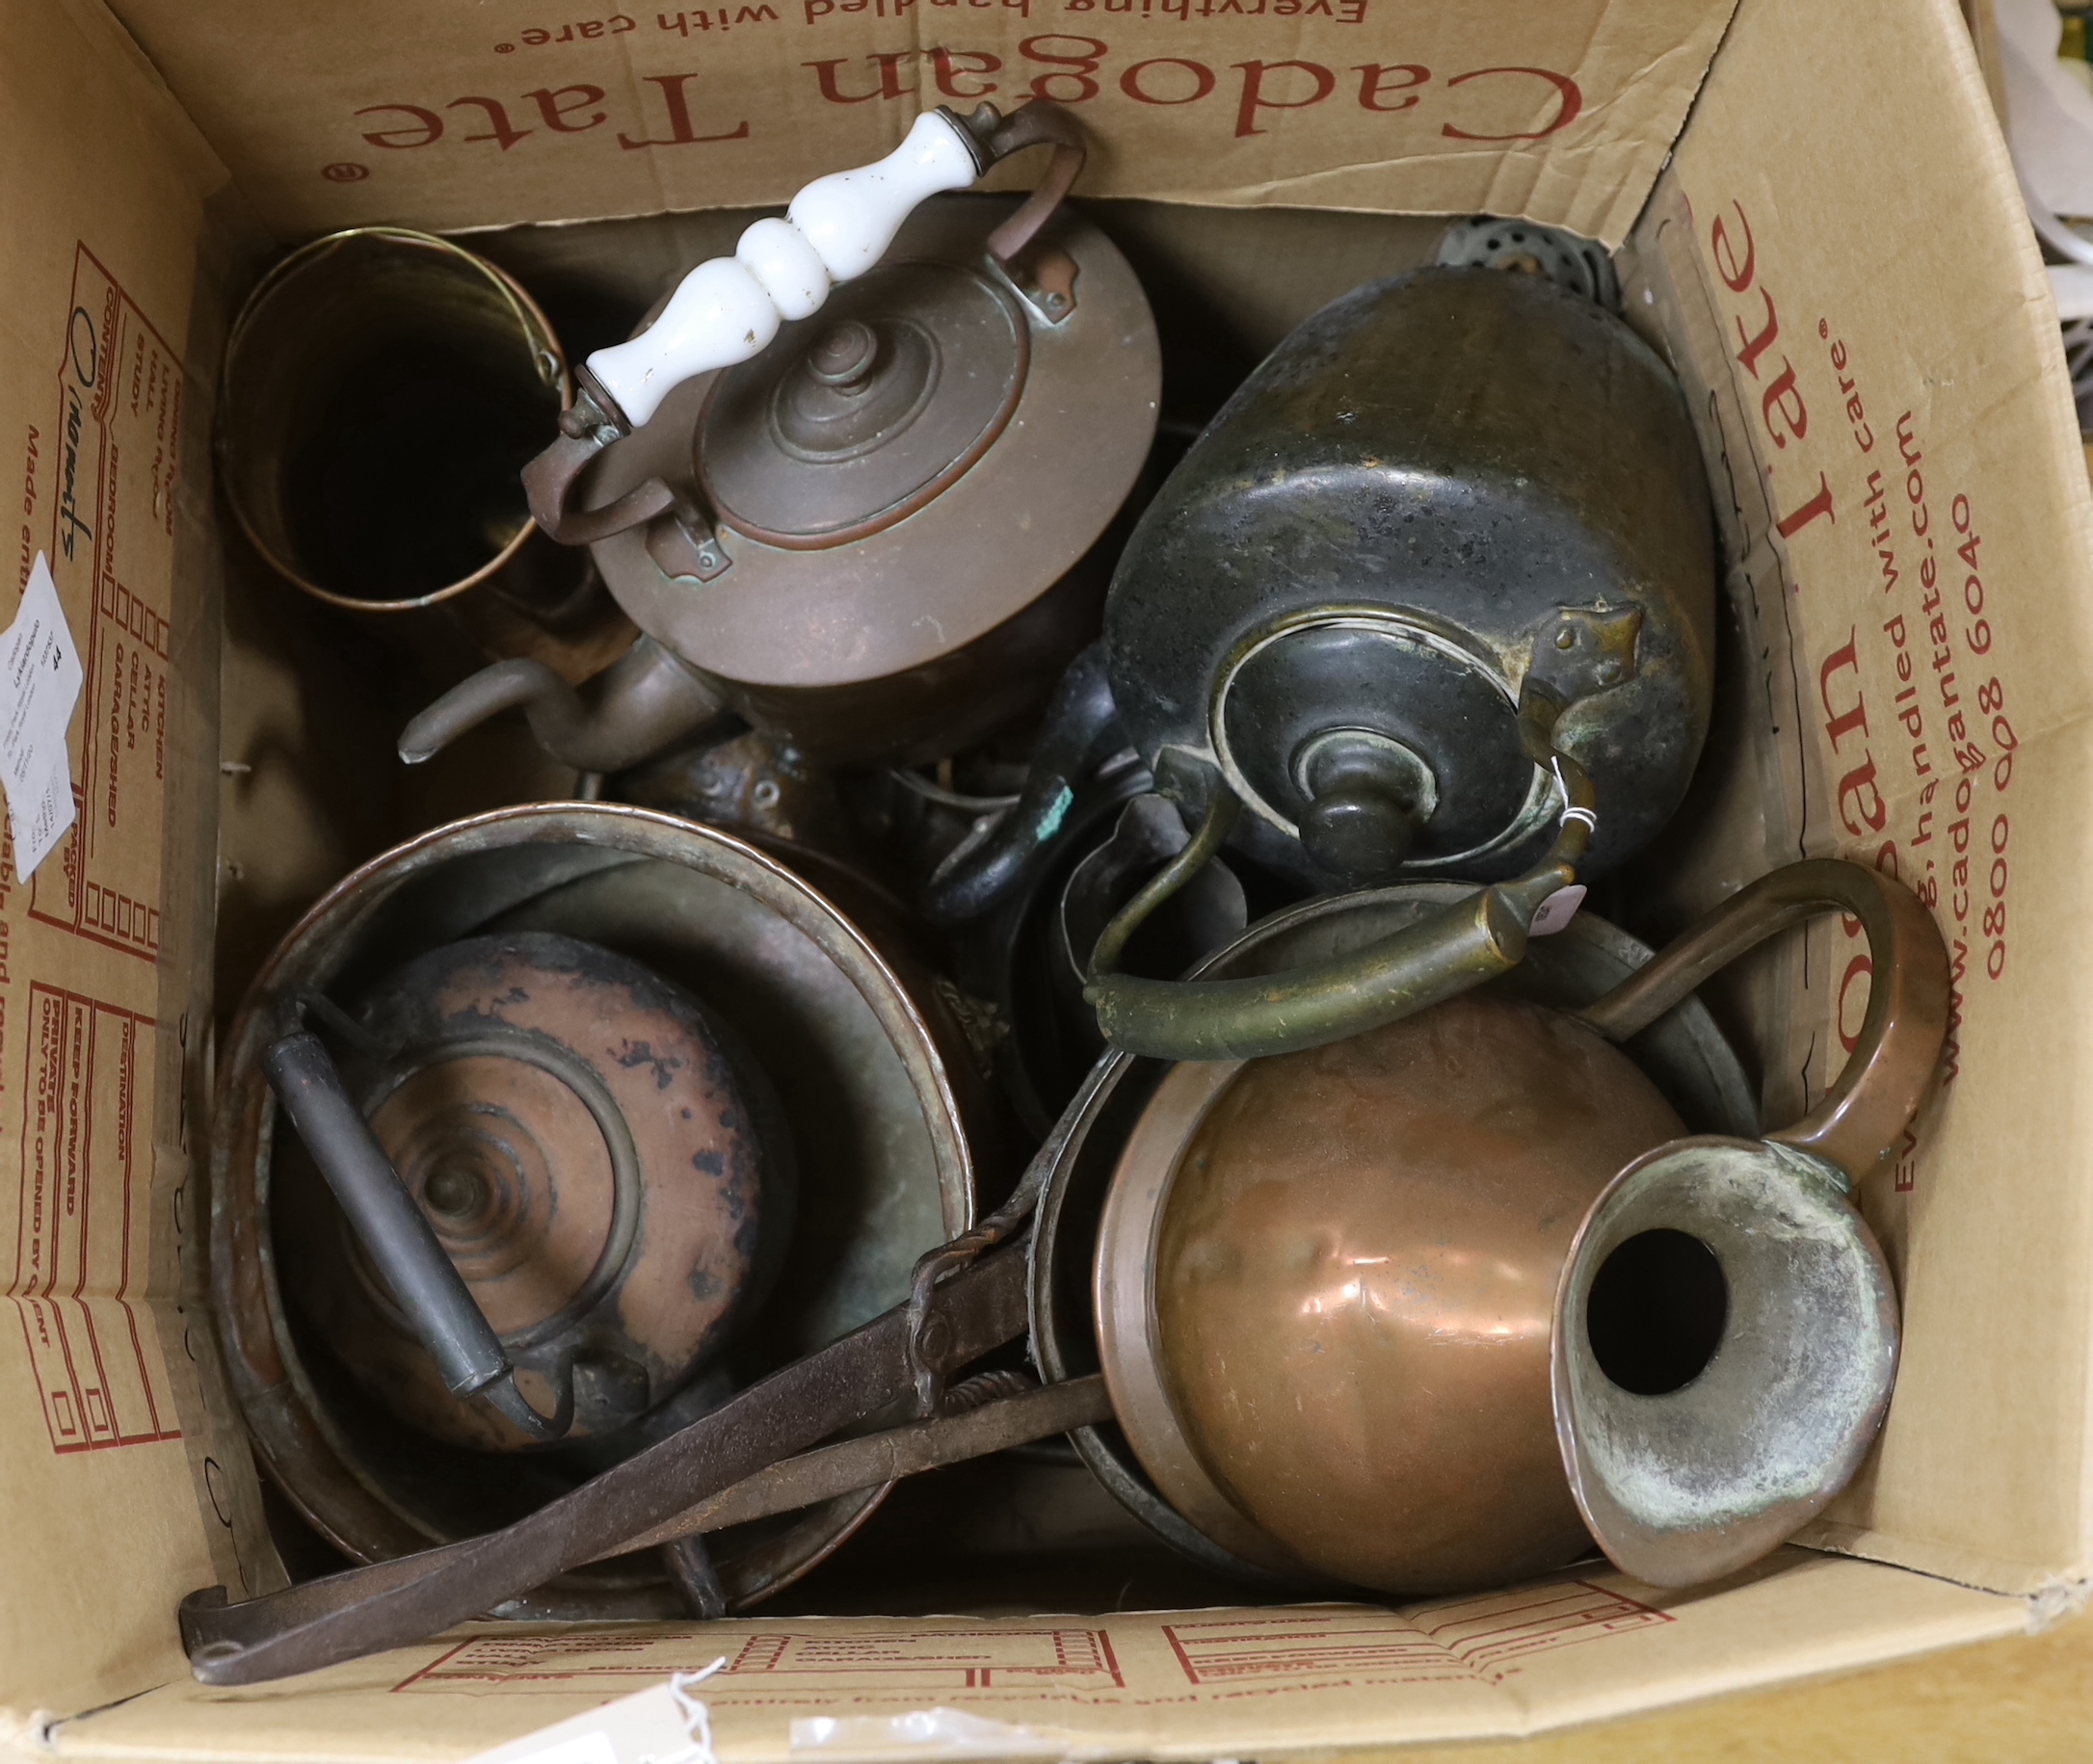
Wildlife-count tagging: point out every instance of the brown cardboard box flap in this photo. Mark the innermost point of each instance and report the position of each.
(118, 1489)
(1906, 511)
(493, 115)
(1164, 1685)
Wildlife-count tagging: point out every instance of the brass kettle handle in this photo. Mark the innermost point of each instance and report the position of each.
(1885, 1076)
(1460, 946)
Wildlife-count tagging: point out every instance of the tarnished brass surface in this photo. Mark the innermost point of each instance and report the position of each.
(1437, 492)
(1355, 1260)
(382, 388)
(1473, 941)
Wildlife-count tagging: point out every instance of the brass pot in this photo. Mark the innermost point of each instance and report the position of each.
(488, 965)
(382, 389)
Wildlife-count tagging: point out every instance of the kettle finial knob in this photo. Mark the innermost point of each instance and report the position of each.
(1369, 795)
(845, 355)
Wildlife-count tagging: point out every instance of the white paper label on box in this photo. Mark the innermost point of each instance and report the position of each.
(665, 1724)
(1557, 910)
(40, 683)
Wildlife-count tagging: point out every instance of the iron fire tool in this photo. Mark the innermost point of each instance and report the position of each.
(968, 1299)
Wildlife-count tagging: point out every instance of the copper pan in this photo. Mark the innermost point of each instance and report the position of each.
(879, 1086)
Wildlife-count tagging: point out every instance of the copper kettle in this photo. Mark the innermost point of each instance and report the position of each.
(1441, 1304)
(865, 520)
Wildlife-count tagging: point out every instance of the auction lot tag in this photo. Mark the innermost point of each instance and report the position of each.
(40, 683)
(1557, 910)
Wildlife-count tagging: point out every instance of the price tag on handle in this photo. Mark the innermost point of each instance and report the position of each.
(1557, 910)
(40, 683)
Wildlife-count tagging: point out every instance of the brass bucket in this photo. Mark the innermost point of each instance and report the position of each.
(382, 390)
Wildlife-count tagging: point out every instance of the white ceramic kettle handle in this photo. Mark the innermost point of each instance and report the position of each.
(727, 310)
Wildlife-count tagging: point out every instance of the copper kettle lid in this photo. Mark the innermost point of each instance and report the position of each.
(590, 1158)
(859, 416)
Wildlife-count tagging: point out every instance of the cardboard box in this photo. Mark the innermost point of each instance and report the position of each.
(1815, 219)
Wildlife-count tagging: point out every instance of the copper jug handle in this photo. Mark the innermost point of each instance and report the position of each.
(1856, 1125)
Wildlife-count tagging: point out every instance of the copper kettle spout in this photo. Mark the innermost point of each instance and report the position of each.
(643, 704)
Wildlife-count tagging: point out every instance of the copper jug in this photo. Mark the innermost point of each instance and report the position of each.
(869, 521)
(1441, 1304)
(542, 1135)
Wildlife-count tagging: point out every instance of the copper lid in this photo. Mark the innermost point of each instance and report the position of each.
(588, 1156)
(859, 416)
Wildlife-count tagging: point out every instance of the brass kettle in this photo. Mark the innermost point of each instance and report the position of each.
(1433, 597)
(1448, 506)
(866, 520)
